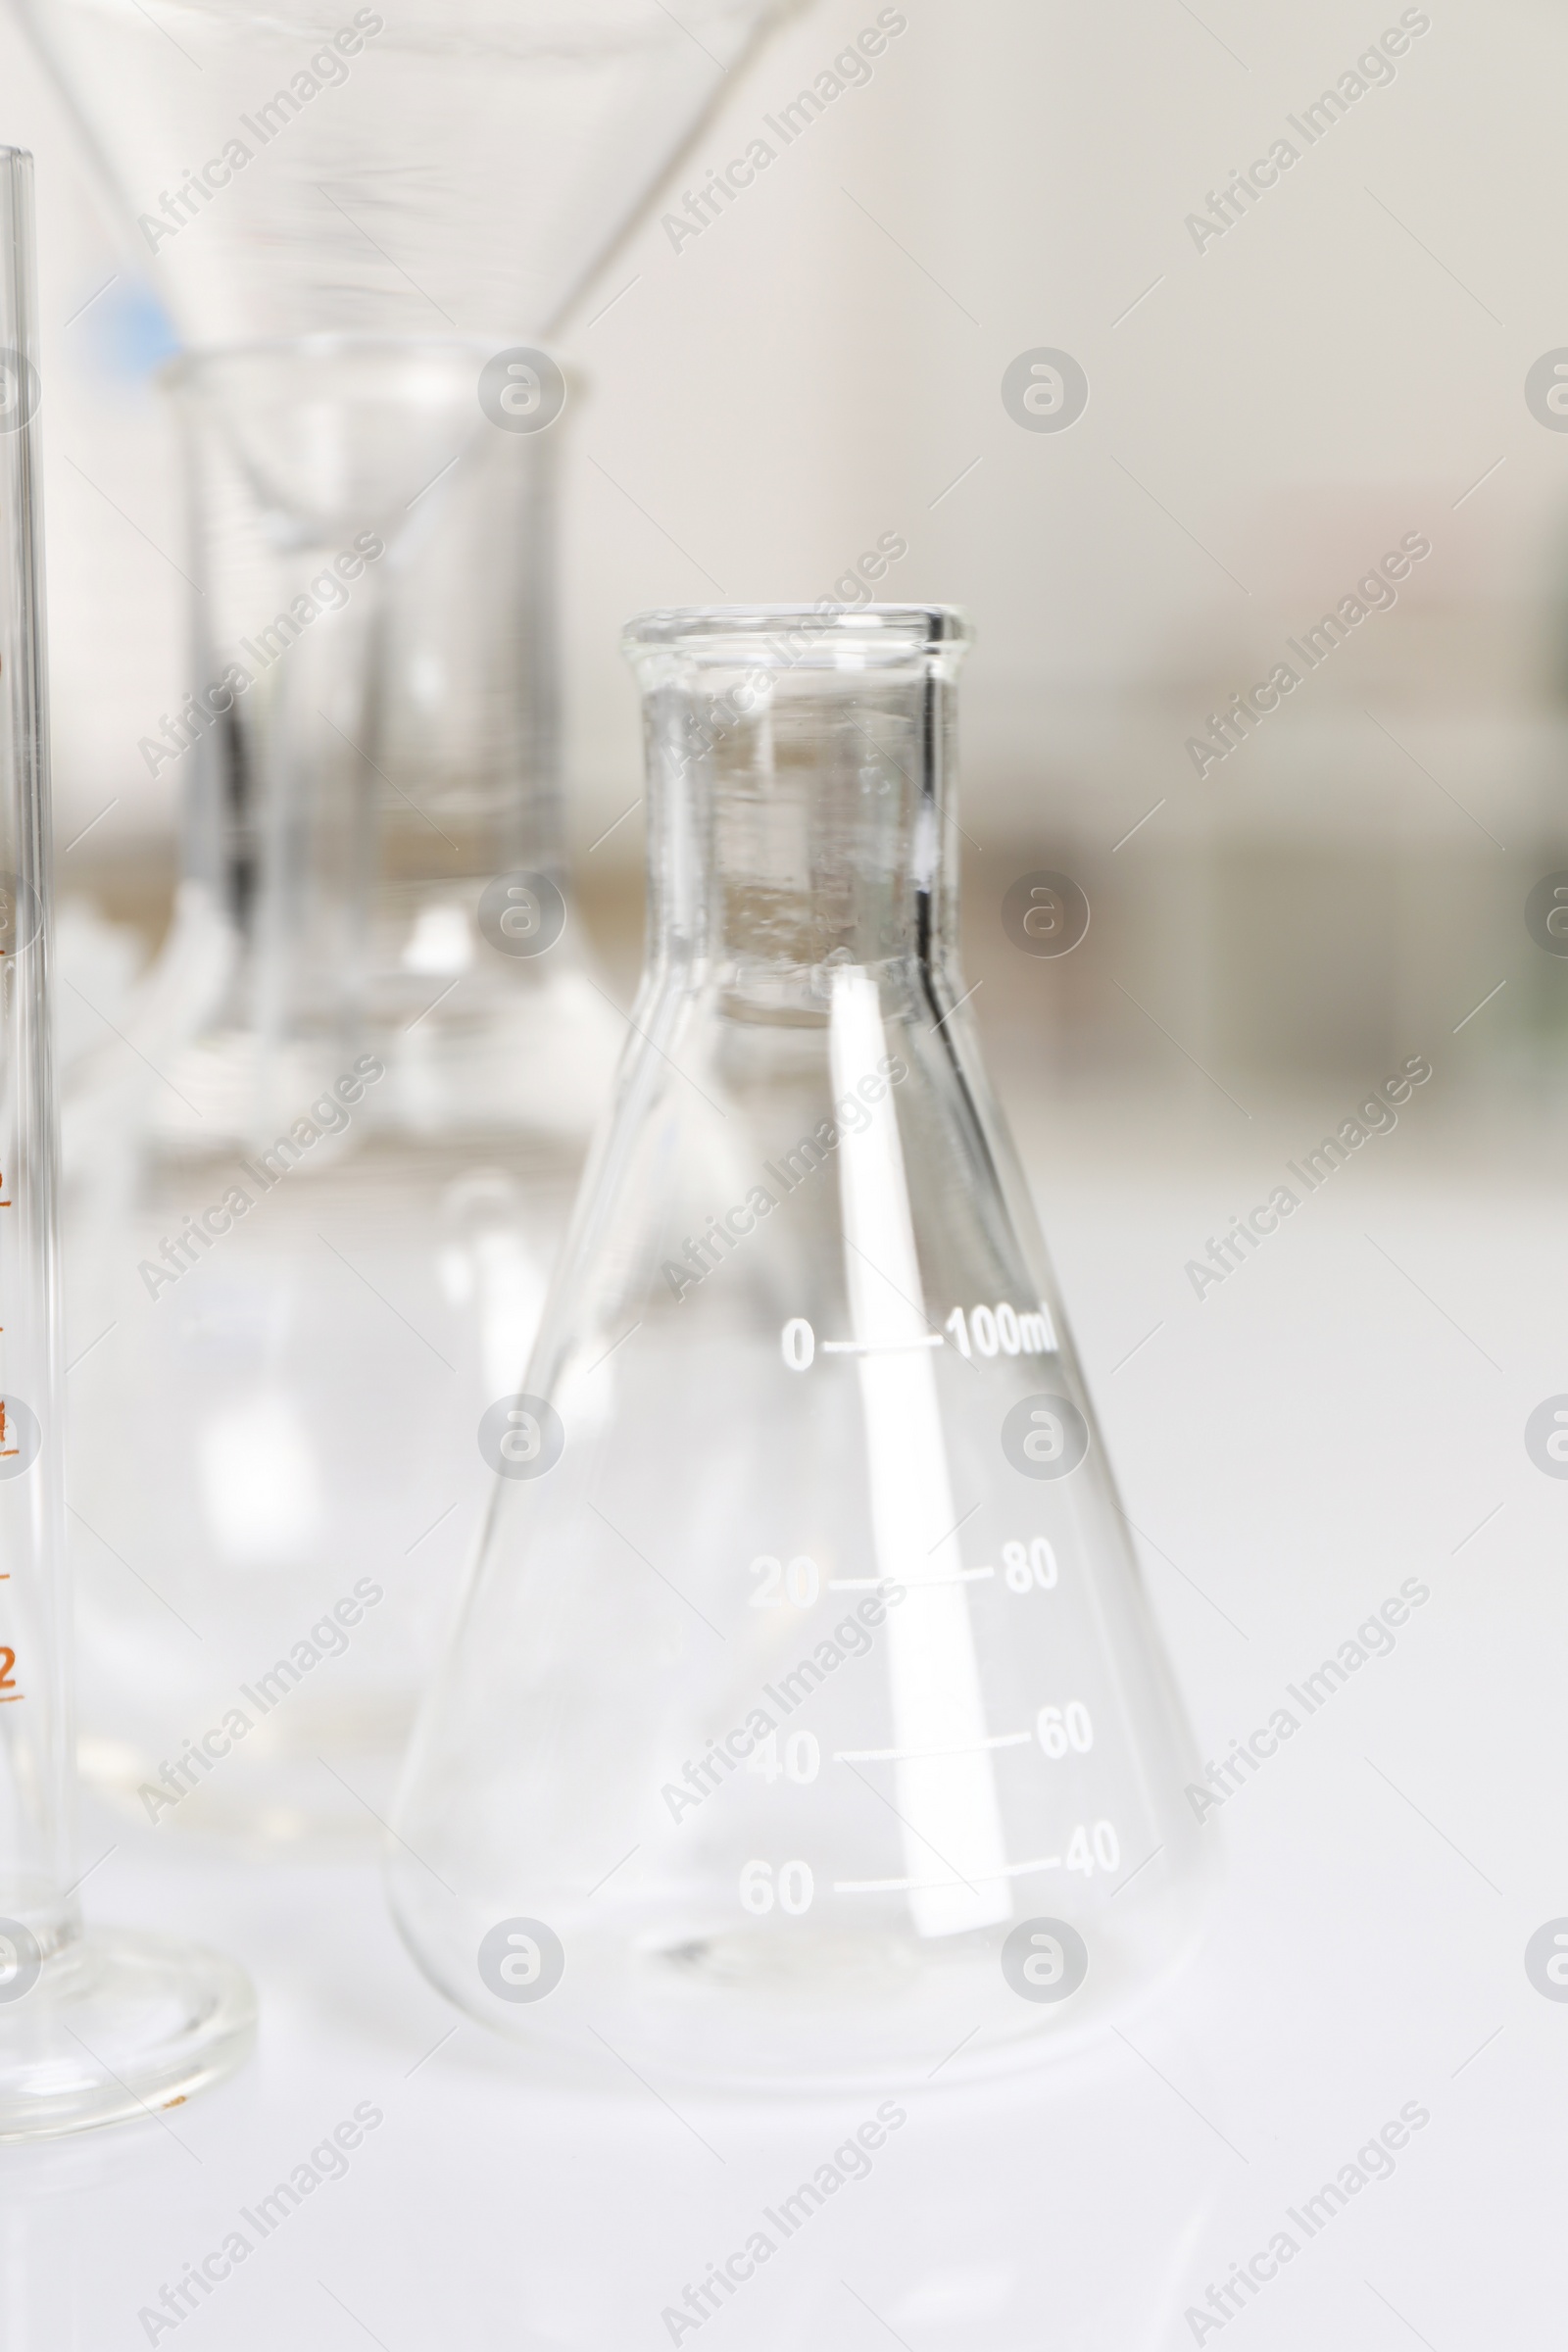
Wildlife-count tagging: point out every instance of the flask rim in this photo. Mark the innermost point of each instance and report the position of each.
(797, 636)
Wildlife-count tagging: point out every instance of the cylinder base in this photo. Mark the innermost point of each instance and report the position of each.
(117, 2027)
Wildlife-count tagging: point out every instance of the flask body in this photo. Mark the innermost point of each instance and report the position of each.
(806, 1662)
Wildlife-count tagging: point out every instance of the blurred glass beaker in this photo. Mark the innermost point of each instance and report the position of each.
(456, 165)
(96, 2024)
(312, 1211)
(804, 1718)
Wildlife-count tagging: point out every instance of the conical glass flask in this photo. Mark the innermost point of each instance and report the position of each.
(96, 2024)
(804, 1718)
(312, 1214)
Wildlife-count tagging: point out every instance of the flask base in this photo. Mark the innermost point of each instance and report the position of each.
(822, 2014)
(117, 2025)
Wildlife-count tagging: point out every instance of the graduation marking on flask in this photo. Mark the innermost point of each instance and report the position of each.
(1009, 1870)
(897, 1755)
(801, 1344)
(1004, 1329)
(999, 1331)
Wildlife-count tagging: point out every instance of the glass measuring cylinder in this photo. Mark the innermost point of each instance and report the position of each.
(94, 2024)
(803, 1717)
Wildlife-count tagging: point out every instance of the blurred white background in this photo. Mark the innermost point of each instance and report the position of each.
(822, 365)
(1266, 417)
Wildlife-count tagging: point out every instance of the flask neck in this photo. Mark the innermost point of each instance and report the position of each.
(798, 805)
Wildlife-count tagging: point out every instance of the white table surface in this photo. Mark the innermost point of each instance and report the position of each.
(1339, 1416)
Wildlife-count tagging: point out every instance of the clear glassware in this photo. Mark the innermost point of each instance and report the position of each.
(455, 164)
(312, 1214)
(803, 1717)
(95, 2023)
(339, 190)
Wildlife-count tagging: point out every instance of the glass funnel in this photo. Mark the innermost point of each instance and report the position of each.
(442, 165)
(312, 1209)
(95, 2023)
(803, 1717)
